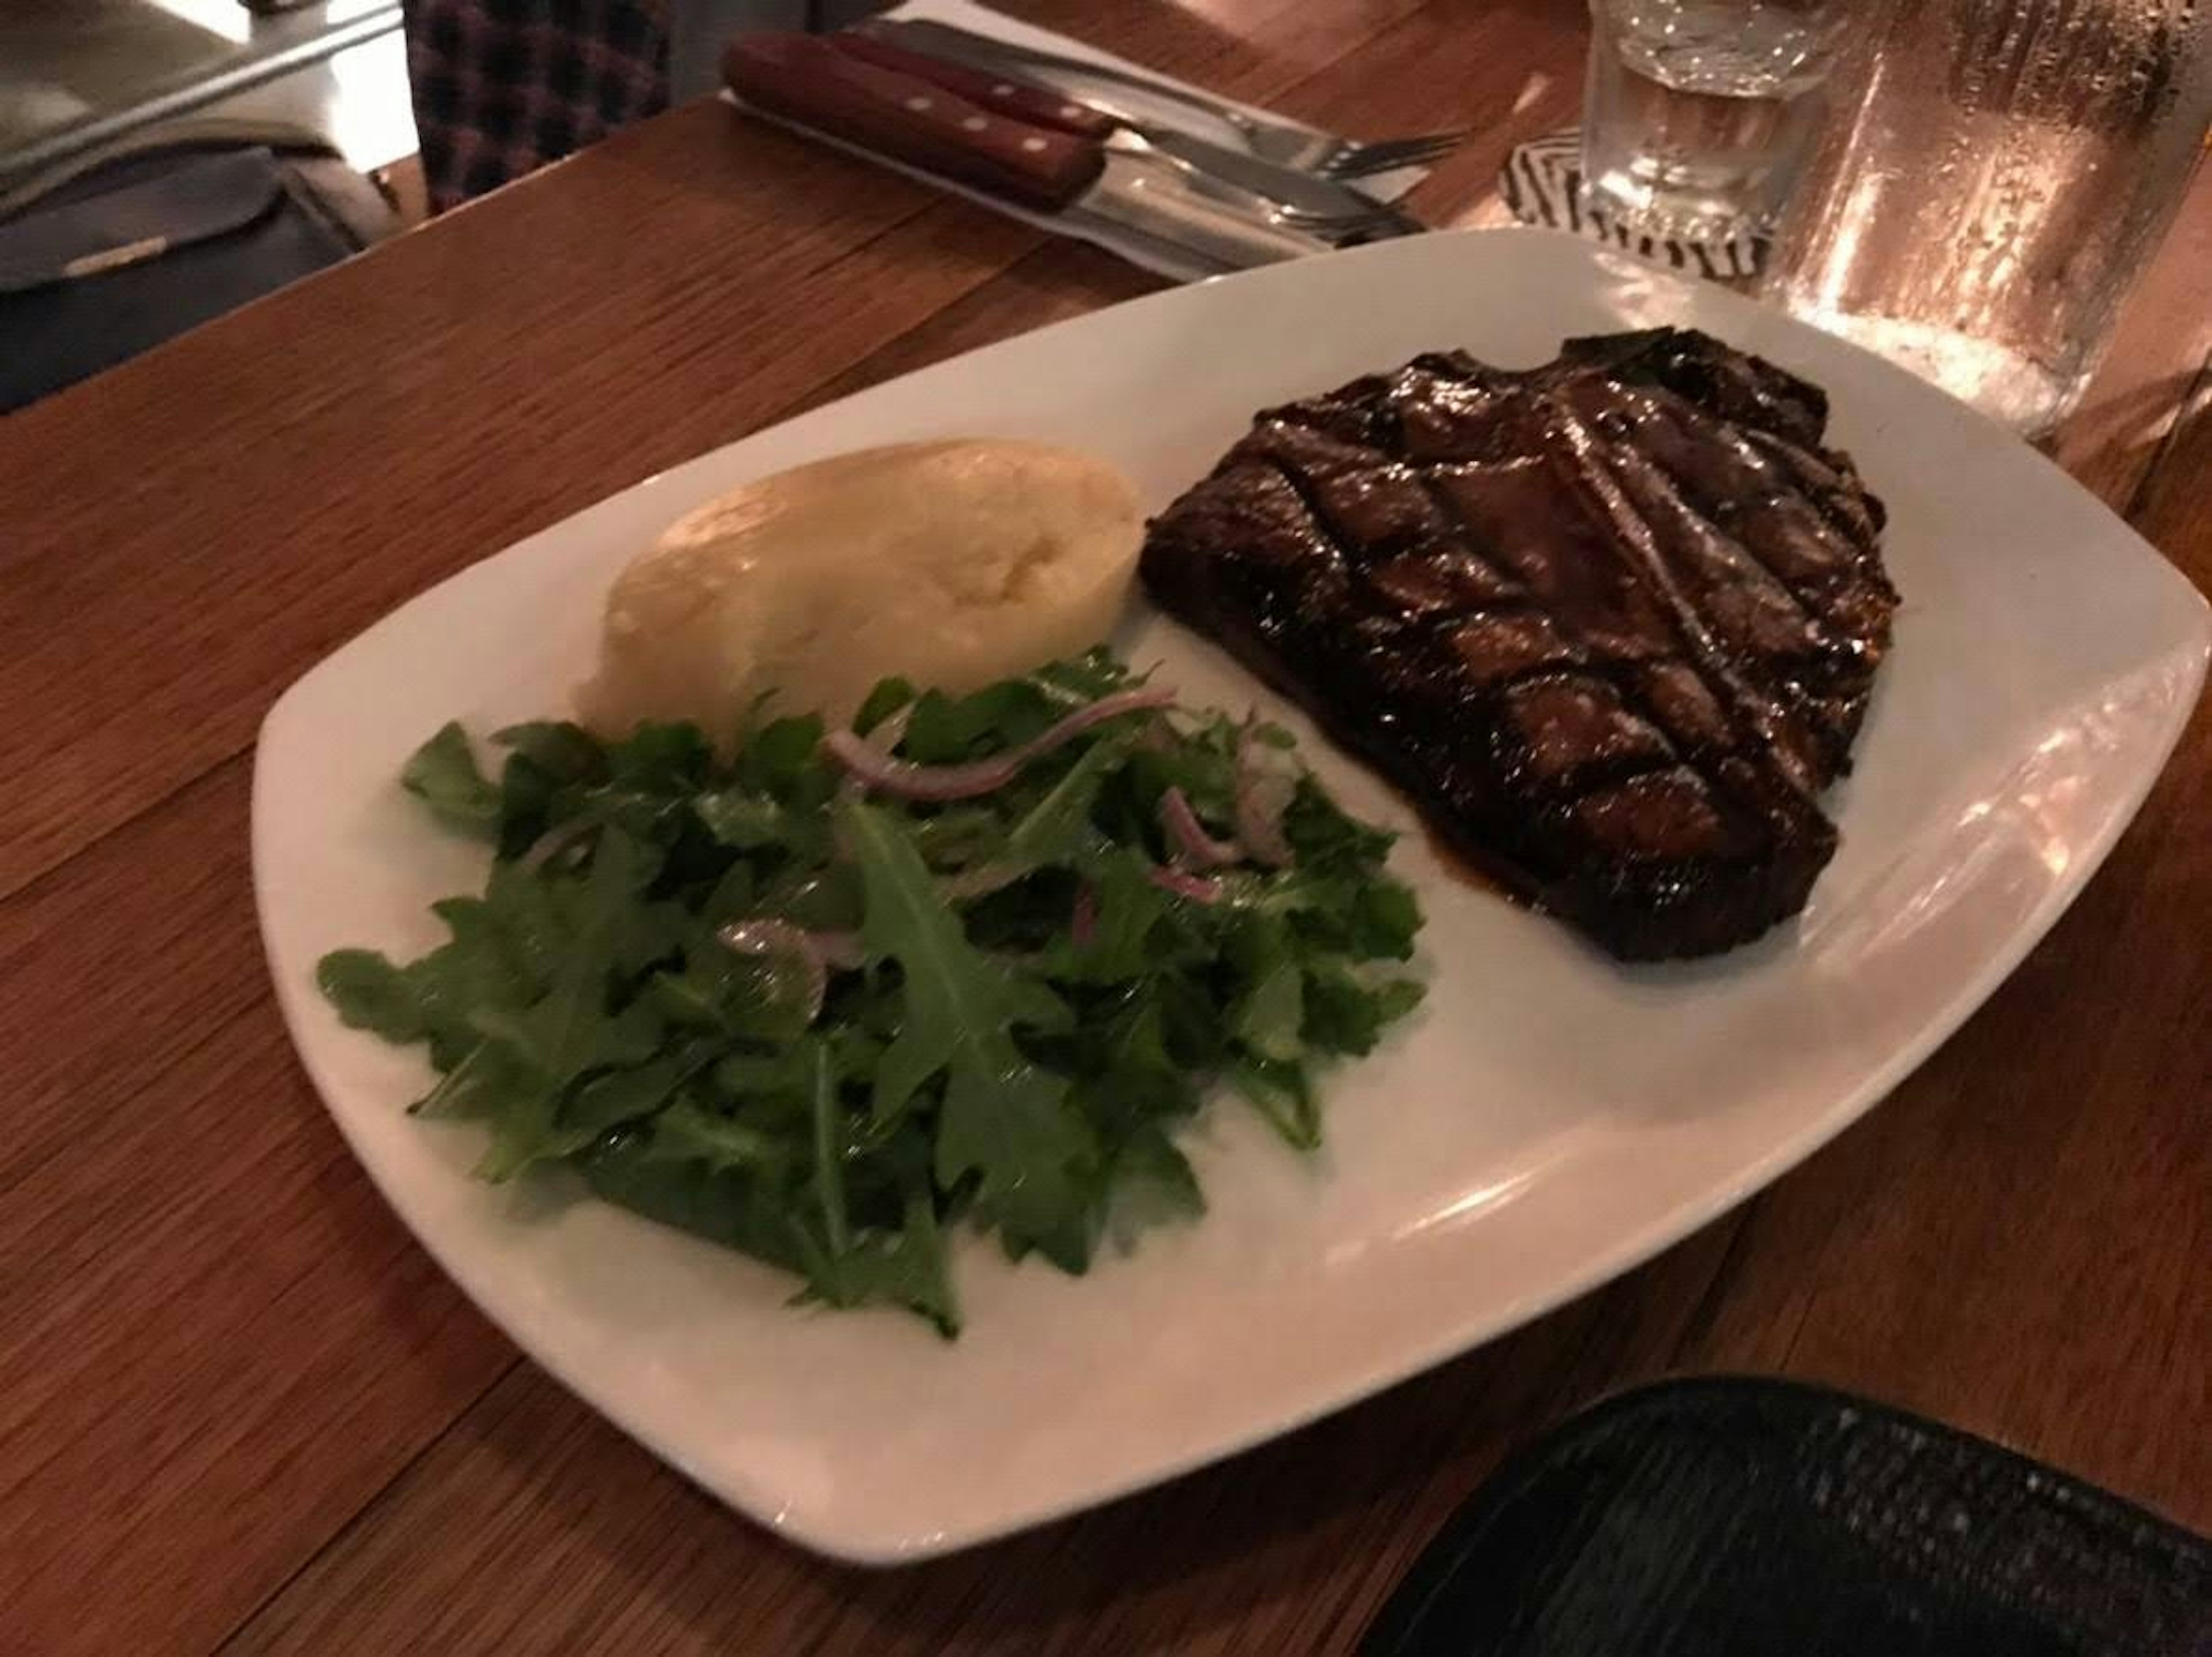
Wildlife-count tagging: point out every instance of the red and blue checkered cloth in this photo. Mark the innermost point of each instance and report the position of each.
(504, 86)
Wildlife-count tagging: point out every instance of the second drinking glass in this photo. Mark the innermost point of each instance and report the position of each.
(1698, 113)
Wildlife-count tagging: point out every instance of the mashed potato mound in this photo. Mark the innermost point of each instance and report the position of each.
(951, 564)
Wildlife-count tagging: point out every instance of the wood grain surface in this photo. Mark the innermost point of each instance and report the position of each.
(240, 1409)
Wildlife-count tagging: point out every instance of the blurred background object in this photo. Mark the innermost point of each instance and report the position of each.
(501, 87)
(543, 76)
(80, 79)
(162, 161)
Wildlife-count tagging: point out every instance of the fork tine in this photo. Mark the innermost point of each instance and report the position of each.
(1386, 158)
(1338, 227)
(1390, 153)
(1423, 143)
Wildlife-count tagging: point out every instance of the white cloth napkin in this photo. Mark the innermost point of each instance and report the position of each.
(981, 19)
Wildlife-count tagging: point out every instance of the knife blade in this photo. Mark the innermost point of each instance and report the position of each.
(805, 80)
(1004, 93)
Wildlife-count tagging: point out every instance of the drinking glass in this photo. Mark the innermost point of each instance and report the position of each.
(1698, 113)
(2007, 166)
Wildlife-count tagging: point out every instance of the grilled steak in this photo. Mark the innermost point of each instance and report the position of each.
(1612, 622)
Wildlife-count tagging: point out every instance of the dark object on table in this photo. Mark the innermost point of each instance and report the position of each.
(1747, 1518)
(1612, 622)
(108, 261)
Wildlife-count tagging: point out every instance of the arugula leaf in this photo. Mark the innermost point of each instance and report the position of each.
(1057, 830)
(549, 764)
(1127, 913)
(886, 699)
(956, 836)
(1384, 920)
(688, 1132)
(1154, 1178)
(1324, 834)
(530, 915)
(731, 895)
(737, 1209)
(484, 1077)
(491, 959)
(1282, 1093)
(1268, 1017)
(442, 773)
(1356, 912)
(1002, 1118)
(829, 1148)
(616, 1096)
(660, 759)
(1083, 679)
(906, 1267)
(781, 757)
(1131, 1078)
(946, 728)
(982, 1064)
(1014, 1129)
(1343, 1015)
(370, 994)
(786, 1071)
(563, 749)
(742, 818)
(571, 1030)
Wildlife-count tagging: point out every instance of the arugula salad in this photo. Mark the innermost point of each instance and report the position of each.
(824, 996)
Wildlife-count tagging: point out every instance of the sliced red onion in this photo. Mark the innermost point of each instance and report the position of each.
(874, 768)
(888, 733)
(1194, 848)
(1262, 796)
(780, 937)
(1198, 889)
(1082, 919)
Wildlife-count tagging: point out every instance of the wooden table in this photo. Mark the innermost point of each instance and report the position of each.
(240, 1409)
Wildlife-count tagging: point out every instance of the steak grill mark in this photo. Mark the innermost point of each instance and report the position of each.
(1612, 622)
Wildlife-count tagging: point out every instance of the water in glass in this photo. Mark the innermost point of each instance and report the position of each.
(1698, 113)
(2002, 170)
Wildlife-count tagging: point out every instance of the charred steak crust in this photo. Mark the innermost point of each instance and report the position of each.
(1612, 622)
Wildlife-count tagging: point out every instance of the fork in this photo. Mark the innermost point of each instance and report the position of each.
(1272, 137)
(1339, 228)
(1364, 161)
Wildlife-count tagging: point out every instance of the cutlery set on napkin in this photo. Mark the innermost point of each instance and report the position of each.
(1170, 177)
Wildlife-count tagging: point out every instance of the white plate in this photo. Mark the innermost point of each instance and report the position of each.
(1549, 1121)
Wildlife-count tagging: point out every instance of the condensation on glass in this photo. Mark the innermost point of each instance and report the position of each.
(1997, 173)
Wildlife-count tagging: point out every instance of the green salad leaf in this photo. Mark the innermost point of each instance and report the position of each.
(746, 993)
(443, 775)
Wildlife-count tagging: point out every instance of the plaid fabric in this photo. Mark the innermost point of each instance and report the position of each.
(504, 86)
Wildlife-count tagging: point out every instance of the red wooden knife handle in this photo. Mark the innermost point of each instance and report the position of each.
(1026, 100)
(804, 78)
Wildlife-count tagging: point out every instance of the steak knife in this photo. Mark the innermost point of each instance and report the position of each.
(807, 81)
(1003, 92)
